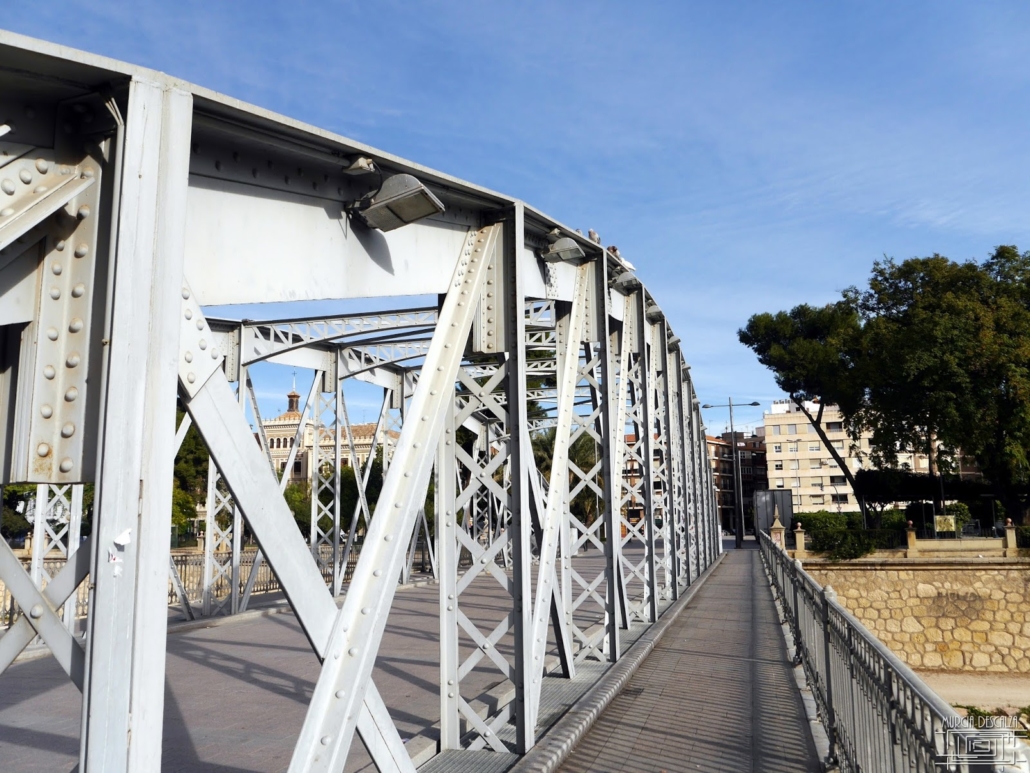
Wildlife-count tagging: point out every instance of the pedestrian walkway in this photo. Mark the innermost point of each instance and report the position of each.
(717, 693)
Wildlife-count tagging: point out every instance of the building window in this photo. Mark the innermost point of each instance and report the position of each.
(793, 448)
(777, 448)
(795, 483)
(792, 429)
(839, 499)
(818, 499)
(814, 446)
(838, 444)
(816, 482)
(776, 429)
(296, 467)
(838, 480)
(779, 482)
(777, 465)
(834, 426)
(815, 464)
(794, 464)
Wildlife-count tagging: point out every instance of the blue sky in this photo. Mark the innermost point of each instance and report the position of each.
(745, 156)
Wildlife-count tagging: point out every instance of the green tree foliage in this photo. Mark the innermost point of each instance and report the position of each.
(184, 510)
(298, 499)
(934, 356)
(814, 352)
(190, 471)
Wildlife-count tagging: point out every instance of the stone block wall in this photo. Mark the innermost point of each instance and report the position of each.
(943, 614)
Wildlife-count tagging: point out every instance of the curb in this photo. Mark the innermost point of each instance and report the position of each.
(559, 742)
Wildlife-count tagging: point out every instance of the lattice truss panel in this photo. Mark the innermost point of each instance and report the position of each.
(658, 434)
(475, 630)
(325, 479)
(636, 547)
(222, 526)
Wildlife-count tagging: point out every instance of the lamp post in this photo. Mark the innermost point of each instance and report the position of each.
(738, 500)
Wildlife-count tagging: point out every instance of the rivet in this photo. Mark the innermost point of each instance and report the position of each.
(450, 694)
(8, 187)
(25, 176)
(43, 449)
(55, 293)
(450, 607)
(188, 356)
(340, 693)
(388, 538)
(39, 189)
(188, 313)
(81, 250)
(59, 246)
(191, 377)
(83, 212)
(200, 324)
(36, 612)
(377, 573)
(326, 739)
(352, 651)
(46, 411)
(185, 293)
(42, 165)
(66, 465)
(202, 344)
(6, 212)
(73, 360)
(214, 354)
(78, 290)
(57, 268)
(88, 173)
(366, 610)
(68, 430)
(51, 333)
(71, 395)
(49, 372)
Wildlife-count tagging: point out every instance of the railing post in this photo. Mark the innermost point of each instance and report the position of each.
(799, 537)
(829, 594)
(1010, 539)
(912, 546)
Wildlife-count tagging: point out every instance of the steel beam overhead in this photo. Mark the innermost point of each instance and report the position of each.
(539, 431)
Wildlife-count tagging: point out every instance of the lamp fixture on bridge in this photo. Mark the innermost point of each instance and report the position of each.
(400, 200)
(562, 249)
(626, 283)
(654, 313)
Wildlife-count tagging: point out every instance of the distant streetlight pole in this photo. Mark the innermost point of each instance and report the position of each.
(738, 483)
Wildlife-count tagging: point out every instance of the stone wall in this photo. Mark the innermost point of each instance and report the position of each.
(946, 614)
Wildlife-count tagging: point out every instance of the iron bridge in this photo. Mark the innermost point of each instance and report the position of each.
(130, 202)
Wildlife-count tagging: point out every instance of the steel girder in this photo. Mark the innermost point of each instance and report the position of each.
(571, 470)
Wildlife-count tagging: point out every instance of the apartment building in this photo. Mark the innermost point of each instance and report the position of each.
(751, 456)
(799, 461)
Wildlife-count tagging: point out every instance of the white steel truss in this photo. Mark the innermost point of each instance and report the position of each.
(549, 402)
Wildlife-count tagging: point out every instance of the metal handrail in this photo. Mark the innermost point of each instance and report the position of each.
(878, 715)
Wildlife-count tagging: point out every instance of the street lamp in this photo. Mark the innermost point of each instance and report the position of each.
(738, 500)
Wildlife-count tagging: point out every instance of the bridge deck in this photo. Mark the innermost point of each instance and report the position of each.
(717, 693)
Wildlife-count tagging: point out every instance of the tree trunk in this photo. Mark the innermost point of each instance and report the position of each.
(817, 423)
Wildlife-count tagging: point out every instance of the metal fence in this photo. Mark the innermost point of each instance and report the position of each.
(879, 716)
(9, 609)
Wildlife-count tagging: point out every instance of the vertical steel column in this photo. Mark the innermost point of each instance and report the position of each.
(646, 432)
(123, 700)
(610, 472)
(667, 453)
(447, 564)
(521, 462)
